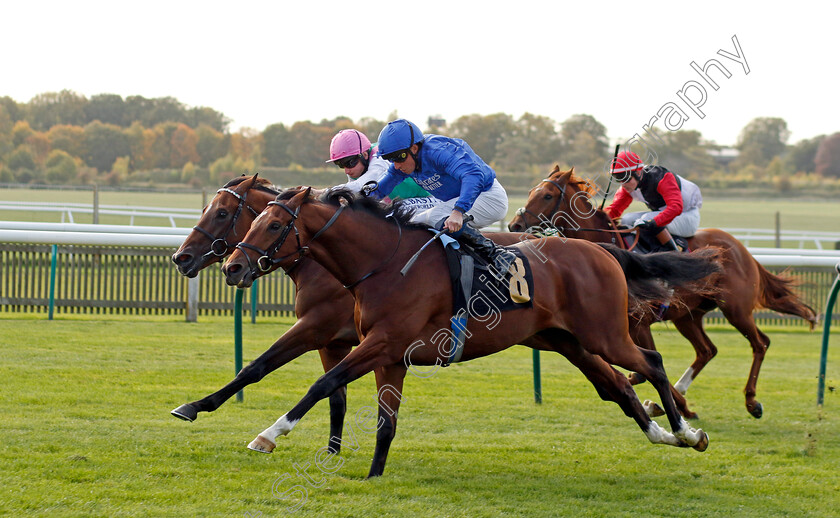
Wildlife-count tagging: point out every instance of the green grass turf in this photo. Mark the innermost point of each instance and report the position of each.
(86, 431)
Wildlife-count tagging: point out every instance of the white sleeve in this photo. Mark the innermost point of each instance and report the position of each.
(690, 194)
(376, 169)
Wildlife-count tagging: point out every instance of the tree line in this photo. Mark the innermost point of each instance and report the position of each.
(66, 138)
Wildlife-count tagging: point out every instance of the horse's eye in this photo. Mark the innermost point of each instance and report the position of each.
(274, 227)
(222, 214)
(547, 197)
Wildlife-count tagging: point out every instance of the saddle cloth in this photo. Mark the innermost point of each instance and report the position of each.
(477, 294)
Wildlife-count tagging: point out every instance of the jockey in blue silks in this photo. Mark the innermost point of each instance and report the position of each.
(452, 172)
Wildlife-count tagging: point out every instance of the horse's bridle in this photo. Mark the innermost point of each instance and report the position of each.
(521, 211)
(267, 260)
(219, 246)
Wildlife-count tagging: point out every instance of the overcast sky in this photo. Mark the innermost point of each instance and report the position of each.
(284, 61)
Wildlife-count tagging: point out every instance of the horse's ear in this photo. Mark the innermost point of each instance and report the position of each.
(299, 198)
(253, 181)
(556, 169)
(572, 170)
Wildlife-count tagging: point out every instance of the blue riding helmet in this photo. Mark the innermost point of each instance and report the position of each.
(398, 135)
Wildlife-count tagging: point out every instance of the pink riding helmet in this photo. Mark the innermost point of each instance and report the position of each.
(346, 143)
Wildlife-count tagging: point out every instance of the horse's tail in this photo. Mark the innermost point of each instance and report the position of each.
(651, 276)
(775, 294)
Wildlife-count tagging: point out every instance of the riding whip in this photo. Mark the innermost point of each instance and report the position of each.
(612, 166)
(410, 263)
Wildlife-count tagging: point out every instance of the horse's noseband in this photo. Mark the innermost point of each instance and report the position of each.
(266, 259)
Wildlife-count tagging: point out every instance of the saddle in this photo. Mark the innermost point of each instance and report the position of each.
(478, 294)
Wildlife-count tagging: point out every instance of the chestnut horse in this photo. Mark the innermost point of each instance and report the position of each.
(399, 318)
(563, 201)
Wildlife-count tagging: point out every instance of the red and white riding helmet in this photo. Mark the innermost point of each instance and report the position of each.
(627, 165)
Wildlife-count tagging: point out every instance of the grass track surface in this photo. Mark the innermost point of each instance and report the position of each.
(87, 432)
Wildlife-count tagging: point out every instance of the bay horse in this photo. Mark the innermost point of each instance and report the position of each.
(399, 318)
(324, 309)
(564, 201)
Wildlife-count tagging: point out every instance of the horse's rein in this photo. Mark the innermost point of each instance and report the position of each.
(522, 210)
(267, 259)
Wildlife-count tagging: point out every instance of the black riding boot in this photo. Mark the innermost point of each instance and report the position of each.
(499, 257)
(666, 241)
(671, 245)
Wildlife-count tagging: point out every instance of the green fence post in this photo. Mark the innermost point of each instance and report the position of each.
(53, 265)
(537, 378)
(237, 336)
(254, 293)
(829, 310)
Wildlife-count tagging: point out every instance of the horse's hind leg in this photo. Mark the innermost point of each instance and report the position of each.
(627, 355)
(759, 342)
(610, 384)
(643, 337)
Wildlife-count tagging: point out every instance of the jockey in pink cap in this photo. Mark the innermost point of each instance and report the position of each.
(352, 151)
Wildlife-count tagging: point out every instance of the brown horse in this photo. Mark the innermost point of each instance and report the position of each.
(324, 309)
(400, 318)
(563, 201)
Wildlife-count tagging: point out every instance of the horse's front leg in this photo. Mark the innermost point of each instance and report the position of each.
(303, 336)
(330, 357)
(373, 352)
(389, 386)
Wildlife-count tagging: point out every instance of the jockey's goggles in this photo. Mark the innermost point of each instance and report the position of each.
(348, 162)
(397, 157)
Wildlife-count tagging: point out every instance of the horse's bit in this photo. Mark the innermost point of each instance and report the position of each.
(267, 260)
(521, 211)
(219, 246)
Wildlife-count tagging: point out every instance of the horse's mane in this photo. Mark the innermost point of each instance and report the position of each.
(575, 182)
(336, 197)
(582, 185)
(261, 184)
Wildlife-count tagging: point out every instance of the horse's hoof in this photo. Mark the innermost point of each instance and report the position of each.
(652, 408)
(185, 412)
(703, 443)
(636, 378)
(756, 411)
(262, 445)
(691, 415)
